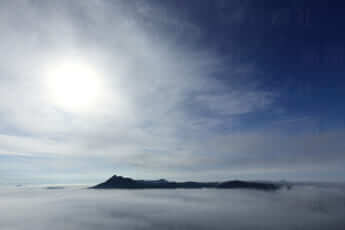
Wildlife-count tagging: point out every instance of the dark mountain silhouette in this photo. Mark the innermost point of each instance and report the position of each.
(119, 182)
(246, 184)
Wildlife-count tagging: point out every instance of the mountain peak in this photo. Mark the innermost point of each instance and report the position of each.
(128, 183)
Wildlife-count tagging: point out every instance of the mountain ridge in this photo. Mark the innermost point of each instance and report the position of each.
(119, 182)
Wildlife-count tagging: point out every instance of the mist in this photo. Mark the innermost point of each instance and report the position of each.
(302, 207)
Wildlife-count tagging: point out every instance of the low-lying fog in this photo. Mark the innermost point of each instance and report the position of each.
(302, 207)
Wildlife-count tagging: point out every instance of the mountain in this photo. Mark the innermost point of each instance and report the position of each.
(119, 182)
(251, 185)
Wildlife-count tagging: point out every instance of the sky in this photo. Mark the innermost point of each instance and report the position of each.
(202, 90)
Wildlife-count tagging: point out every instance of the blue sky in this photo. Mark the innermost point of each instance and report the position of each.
(206, 90)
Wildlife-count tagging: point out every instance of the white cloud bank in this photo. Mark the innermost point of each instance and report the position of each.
(71, 208)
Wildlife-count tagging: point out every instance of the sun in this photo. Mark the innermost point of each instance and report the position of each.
(73, 84)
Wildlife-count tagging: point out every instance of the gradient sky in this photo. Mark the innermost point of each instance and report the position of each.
(204, 90)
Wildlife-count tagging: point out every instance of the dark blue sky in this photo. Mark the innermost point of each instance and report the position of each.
(297, 48)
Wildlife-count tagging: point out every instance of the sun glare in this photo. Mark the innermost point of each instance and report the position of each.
(73, 84)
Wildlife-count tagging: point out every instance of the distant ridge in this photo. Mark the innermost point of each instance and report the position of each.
(119, 182)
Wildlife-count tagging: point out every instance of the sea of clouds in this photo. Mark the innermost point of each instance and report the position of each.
(302, 207)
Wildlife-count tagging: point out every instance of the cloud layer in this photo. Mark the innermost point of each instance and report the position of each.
(75, 208)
